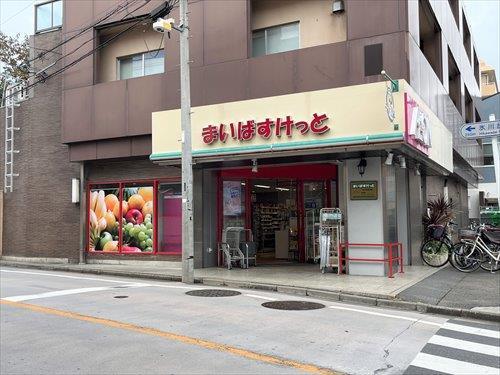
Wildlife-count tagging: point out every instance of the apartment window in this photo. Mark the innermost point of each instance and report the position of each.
(430, 37)
(484, 79)
(48, 15)
(476, 69)
(469, 107)
(275, 39)
(455, 10)
(141, 64)
(487, 154)
(466, 35)
(454, 82)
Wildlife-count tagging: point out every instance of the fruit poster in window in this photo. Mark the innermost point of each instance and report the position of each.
(232, 198)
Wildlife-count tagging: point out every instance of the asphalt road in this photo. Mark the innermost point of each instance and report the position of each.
(67, 323)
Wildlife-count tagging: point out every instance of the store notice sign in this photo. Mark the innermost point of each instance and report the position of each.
(364, 190)
(232, 198)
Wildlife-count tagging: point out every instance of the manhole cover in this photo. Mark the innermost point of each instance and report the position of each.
(213, 293)
(293, 305)
(120, 297)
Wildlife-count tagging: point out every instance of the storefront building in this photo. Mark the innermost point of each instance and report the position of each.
(290, 115)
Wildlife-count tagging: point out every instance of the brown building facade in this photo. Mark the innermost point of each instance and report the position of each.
(260, 54)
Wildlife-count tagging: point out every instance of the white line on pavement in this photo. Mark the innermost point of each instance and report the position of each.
(260, 297)
(64, 276)
(386, 315)
(66, 292)
(472, 330)
(465, 345)
(451, 366)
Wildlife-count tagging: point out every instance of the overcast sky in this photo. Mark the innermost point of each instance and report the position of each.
(16, 16)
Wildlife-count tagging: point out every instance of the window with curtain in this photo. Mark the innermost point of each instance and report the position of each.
(275, 39)
(141, 64)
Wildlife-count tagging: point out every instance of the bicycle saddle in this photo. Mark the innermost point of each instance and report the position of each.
(493, 236)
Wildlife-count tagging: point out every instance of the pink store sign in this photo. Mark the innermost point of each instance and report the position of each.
(417, 126)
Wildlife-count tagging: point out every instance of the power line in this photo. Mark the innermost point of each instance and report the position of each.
(120, 7)
(17, 13)
(80, 58)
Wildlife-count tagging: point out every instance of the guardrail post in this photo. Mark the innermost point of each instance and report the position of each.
(390, 260)
(401, 257)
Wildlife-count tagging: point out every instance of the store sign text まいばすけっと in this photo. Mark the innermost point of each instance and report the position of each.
(244, 131)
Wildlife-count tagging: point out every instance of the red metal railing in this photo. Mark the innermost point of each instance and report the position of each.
(390, 258)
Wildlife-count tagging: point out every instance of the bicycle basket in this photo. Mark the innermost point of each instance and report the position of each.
(436, 231)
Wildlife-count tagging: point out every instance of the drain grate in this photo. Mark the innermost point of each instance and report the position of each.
(213, 293)
(293, 305)
(120, 297)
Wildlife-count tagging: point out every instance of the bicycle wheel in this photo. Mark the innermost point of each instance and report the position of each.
(462, 258)
(490, 264)
(435, 253)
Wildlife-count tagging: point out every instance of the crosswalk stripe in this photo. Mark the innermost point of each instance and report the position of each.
(472, 330)
(451, 366)
(465, 345)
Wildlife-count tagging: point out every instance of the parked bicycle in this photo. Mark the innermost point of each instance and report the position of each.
(436, 250)
(483, 251)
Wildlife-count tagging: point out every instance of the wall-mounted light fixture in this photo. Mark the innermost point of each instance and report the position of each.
(362, 166)
(417, 169)
(75, 190)
(389, 158)
(255, 167)
(402, 162)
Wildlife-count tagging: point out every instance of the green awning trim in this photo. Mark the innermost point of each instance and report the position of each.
(360, 139)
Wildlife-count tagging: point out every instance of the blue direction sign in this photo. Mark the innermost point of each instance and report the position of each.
(485, 129)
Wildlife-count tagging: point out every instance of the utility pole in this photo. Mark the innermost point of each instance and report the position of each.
(496, 161)
(187, 158)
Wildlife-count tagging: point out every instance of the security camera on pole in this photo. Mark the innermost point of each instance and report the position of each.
(167, 25)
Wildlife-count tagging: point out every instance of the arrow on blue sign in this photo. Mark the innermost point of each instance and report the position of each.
(470, 128)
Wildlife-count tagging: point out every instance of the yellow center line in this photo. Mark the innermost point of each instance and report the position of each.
(274, 360)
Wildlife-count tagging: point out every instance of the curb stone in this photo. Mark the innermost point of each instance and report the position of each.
(320, 294)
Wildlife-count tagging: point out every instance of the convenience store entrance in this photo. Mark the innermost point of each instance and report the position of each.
(280, 205)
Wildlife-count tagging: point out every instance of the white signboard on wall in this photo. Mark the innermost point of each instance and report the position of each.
(485, 129)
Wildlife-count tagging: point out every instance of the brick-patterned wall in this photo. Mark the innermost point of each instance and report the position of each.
(39, 218)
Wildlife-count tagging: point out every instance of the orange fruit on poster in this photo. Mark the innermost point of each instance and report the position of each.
(116, 209)
(146, 193)
(111, 247)
(110, 220)
(147, 208)
(136, 201)
(111, 200)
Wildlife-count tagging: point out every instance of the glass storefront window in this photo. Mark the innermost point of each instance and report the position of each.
(135, 231)
(103, 222)
(170, 218)
(138, 218)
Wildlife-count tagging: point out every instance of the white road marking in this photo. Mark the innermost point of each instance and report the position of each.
(64, 276)
(260, 297)
(465, 345)
(451, 366)
(472, 330)
(97, 279)
(385, 315)
(66, 292)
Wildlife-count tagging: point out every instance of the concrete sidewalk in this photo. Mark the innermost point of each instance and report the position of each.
(304, 280)
(448, 287)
